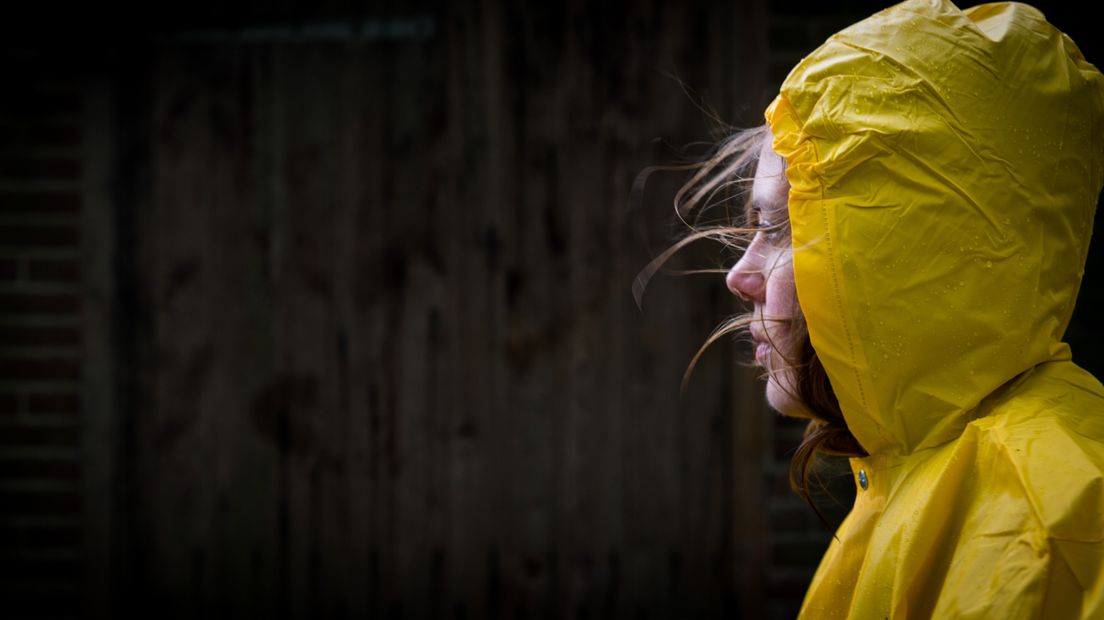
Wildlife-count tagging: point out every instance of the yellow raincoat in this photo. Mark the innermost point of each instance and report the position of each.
(944, 168)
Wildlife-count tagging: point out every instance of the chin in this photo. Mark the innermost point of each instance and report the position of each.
(782, 399)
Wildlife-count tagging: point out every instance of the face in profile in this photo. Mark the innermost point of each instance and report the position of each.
(764, 276)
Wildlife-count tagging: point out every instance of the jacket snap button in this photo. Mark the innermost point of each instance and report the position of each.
(862, 479)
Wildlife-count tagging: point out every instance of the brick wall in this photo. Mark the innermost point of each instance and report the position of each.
(41, 497)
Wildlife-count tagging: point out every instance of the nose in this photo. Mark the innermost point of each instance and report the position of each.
(745, 279)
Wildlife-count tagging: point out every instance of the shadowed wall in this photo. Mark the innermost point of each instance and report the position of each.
(326, 312)
(386, 361)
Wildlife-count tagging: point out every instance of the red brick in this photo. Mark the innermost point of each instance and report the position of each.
(39, 469)
(55, 402)
(36, 336)
(45, 203)
(39, 370)
(63, 270)
(39, 236)
(14, 303)
(35, 168)
(38, 436)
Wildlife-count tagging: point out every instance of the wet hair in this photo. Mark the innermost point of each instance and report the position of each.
(722, 182)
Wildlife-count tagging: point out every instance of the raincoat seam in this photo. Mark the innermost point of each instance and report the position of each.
(1029, 499)
(838, 294)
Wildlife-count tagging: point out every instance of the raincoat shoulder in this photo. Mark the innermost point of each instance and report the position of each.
(1003, 522)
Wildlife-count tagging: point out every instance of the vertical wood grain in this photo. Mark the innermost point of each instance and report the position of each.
(396, 367)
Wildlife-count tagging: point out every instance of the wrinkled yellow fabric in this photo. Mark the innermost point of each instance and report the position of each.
(944, 169)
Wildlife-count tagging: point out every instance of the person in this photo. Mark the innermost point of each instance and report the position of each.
(922, 204)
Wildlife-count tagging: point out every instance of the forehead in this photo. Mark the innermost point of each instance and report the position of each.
(770, 179)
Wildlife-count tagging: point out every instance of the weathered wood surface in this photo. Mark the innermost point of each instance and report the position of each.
(392, 367)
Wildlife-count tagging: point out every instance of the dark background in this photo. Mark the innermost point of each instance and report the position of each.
(324, 311)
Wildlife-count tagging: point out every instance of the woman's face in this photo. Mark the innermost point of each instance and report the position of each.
(764, 276)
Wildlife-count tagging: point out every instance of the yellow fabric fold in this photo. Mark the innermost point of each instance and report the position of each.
(944, 168)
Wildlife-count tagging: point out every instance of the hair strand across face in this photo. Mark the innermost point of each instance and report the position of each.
(723, 181)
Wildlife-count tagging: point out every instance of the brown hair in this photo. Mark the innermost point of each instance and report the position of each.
(827, 432)
(723, 180)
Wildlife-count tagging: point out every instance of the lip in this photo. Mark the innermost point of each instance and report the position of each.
(762, 352)
(762, 344)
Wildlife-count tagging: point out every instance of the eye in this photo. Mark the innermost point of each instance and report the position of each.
(774, 229)
(775, 232)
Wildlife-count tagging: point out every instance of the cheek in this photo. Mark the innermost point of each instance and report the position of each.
(781, 295)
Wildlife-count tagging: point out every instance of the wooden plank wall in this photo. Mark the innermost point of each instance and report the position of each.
(386, 359)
